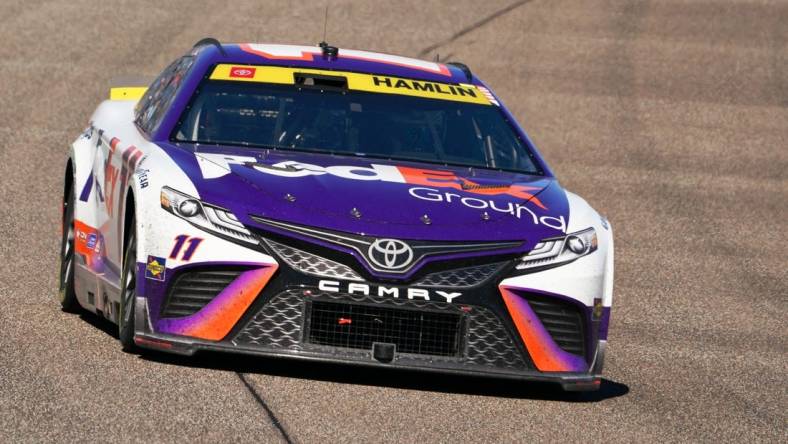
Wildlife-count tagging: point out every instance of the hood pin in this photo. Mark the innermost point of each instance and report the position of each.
(485, 216)
(426, 219)
(355, 213)
(289, 197)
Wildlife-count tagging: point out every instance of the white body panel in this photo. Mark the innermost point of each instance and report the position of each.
(104, 207)
(586, 278)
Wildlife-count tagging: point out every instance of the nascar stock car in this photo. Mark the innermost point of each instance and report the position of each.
(336, 205)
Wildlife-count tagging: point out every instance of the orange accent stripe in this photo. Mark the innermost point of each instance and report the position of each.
(218, 323)
(543, 358)
(113, 143)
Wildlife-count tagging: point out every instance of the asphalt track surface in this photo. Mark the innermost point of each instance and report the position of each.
(670, 117)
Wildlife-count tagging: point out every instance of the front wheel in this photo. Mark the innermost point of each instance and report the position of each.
(66, 295)
(128, 292)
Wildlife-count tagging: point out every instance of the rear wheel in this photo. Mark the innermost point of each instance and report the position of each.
(128, 292)
(66, 295)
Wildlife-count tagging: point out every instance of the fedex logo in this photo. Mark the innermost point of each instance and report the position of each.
(217, 165)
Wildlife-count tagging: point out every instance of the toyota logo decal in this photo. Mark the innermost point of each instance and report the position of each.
(391, 254)
(242, 72)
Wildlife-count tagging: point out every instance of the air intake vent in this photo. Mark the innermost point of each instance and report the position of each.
(193, 290)
(563, 320)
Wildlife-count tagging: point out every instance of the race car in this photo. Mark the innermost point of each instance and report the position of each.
(328, 204)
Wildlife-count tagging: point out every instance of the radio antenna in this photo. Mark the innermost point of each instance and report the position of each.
(325, 23)
(329, 52)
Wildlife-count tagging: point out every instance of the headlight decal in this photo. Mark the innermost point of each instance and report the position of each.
(218, 317)
(559, 250)
(205, 216)
(545, 353)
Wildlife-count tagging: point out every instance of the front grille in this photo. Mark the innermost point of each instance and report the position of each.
(460, 277)
(315, 265)
(193, 290)
(360, 326)
(279, 325)
(562, 319)
(420, 250)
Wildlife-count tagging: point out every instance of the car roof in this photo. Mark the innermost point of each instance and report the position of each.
(344, 60)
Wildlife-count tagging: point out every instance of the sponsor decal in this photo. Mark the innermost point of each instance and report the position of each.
(142, 177)
(386, 291)
(91, 242)
(111, 174)
(375, 172)
(431, 184)
(130, 156)
(242, 72)
(107, 189)
(87, 243)
(393, 83)
(520, 211)
(155, 268)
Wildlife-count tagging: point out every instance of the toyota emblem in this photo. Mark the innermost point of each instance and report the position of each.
(391, 254)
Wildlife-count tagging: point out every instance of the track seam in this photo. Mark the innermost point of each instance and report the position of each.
(257, 397)
(473, 27)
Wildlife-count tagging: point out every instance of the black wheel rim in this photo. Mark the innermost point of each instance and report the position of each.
(67, 247)
(129, 284)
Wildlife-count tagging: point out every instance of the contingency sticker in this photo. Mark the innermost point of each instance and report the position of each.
(155, 268)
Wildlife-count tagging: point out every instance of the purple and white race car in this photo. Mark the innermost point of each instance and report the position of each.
(335, 205)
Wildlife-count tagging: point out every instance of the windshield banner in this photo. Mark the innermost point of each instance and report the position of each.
(460, 92)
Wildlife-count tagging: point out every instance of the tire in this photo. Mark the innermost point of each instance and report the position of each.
(66, 294)
(128, 292)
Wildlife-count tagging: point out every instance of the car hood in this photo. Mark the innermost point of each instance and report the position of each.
(376, 197)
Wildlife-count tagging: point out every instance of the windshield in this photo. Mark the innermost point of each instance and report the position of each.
(349, 122)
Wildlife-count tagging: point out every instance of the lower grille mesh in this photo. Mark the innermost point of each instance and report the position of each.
(279, 325)
(359, 326)
(193, 290)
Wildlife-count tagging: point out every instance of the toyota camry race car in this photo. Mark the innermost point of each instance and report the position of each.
(329, 204)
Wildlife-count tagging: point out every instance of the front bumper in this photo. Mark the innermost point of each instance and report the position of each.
(279, 327)
(504, 327)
